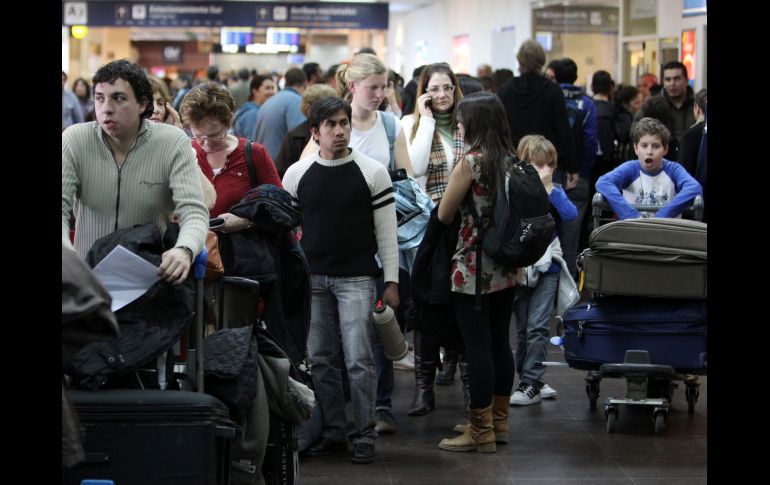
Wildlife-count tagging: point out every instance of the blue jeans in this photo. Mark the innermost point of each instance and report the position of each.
(569, 232)
(533, 307)
(340, 318)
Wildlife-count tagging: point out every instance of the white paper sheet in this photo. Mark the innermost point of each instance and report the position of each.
(125, 275)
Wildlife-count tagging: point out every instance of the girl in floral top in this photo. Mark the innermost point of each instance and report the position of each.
(482, 121)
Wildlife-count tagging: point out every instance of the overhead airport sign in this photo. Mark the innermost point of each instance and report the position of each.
(576, 19)
(226, 14)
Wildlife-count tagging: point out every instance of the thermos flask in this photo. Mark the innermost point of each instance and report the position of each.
(393, 343)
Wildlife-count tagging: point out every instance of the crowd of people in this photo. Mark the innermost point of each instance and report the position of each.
(158, 151)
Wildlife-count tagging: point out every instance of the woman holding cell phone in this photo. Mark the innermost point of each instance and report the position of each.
(435, 145)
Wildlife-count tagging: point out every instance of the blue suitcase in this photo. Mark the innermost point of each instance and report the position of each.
(600, 330)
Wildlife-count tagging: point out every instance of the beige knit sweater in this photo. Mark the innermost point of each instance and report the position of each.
(158, 178)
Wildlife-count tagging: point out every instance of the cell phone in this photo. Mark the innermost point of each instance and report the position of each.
(429, 103)
(397, 174)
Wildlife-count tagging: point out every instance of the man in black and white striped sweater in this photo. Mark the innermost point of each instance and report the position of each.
(349, 217)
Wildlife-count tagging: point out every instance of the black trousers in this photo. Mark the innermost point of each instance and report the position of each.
(487, 348)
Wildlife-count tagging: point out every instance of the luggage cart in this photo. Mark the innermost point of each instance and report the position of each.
(152, 436)
(647, 384)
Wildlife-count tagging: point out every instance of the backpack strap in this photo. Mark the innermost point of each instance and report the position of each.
(389, 121)
(250, 163)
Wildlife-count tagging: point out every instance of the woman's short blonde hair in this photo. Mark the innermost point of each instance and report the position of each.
(537, 150)
(359, 68)
(313, 94)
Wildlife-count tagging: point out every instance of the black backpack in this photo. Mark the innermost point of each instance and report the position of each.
(521, 227)
(573, 100)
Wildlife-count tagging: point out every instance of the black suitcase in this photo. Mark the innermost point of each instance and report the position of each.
(281, 463)
(149, 437)
(599, 331)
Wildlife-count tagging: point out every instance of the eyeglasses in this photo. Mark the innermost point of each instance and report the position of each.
(433, 90)
(202, 139)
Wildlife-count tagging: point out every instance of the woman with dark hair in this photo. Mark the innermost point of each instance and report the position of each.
(628, 100)
(435, 145)
(481, 120)
(261, 89)
(82, 90)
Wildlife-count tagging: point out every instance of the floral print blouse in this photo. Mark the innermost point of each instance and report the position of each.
(494, 277)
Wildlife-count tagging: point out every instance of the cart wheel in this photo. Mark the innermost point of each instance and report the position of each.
(660, 422)
(592, 389)
(691, 393)
(612, 417)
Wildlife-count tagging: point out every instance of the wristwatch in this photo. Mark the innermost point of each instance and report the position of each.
(189, 251)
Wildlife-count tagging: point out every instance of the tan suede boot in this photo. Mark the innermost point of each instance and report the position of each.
(477, 436)
(500, 408)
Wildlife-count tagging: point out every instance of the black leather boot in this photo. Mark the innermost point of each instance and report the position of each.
(425, 363)
(446, 376)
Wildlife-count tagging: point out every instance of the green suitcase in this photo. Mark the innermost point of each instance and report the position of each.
(653, 257)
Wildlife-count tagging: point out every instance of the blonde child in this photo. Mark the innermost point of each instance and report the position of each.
(535, 301)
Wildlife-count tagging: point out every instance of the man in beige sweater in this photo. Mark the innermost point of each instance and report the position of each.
(124, 171)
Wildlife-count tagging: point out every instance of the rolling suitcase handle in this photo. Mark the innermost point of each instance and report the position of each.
(236, 281)
(199, 267)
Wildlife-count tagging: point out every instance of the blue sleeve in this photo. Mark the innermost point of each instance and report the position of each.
(686, 190)
(566, 209)
(590, 136)
(611, 186)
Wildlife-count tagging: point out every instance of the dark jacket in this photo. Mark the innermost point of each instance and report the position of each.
(688, 150)
(291, 147)
(270, 254)
(535, 105)
(150, 325)
(431, 283)
(85, 317)
(612, 127)
(682, 117)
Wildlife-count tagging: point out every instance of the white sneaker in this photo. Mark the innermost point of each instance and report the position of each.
(547, 392)
(407, 363)
(525, 395)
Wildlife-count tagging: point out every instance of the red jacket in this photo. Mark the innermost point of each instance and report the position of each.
(233, 181)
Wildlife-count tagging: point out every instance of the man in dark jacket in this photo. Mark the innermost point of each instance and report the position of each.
(584, 130)
(688, 150)
(679, 97)
(535, 105)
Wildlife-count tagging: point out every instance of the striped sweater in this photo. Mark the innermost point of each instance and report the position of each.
(349, 215)
(158, 178)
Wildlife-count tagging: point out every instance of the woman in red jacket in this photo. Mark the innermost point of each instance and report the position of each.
(207, 110)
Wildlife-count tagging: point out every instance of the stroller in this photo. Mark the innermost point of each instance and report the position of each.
(646, 320)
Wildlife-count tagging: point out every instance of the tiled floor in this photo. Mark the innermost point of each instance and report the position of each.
(559, 441)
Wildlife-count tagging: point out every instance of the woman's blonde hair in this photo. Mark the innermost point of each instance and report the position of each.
(537, 150)
(359, 68)
(313, 94)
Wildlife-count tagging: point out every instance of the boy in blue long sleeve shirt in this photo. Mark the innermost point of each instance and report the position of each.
(535, 301)
(651, 180)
